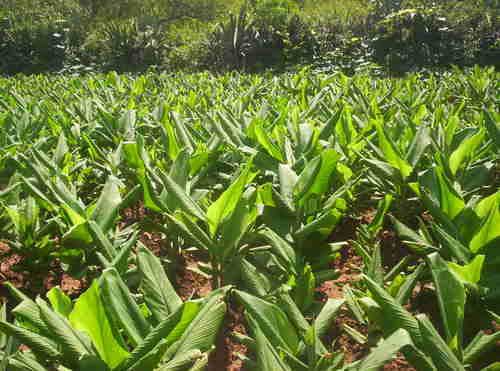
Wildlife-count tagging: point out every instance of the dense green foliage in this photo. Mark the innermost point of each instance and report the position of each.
(132, 35)
(252, 174)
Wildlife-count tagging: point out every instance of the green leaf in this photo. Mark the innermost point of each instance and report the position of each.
(451, 300)
(493, 367)
(420, 143)
(203, 329)
(121, 307)
(183, 361)
(61, 149)
(390, 152)
(74, 344)
(295, 315)
(455, 248)
(253, 279)
(489, 230)
(106, 209)
(177, 193)
(90, 317)
(235, 227)
(287, 178)
(436, 348)
(385, 351)
(281, 248)
(265, 141)
(469, 273)
(271, 319)
(382, 209)
(307, 177)
(320, 180)
(492, 127)
(159, 293)
(442, 192)
(409, 284)
(393, 315)
(192, 231)
(415, 241)
(465, 150)
(42, 346)
(480, 345)
(226, 203)
(323, 224)
(268, 358)
(303, 291)
(59, 301)
(327, 315)
(168, 330)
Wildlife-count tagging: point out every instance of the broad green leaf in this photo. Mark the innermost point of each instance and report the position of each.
(224, 206)
(410, 237)
(62, 149)
(406, 289)
(303, 290)
(235, 227)
(320, 183)
(288, 179)
(390, 152)
(442, 192)
(170, 140)
(271, 319)
(465, 150)
(202, 332)
(44, 347)
(420, 143)
(169, 330)
(392, 314)
(265, 141)
(268, 358)
(451, 300)
(106, 209)
(489, 229)
(492, 127)
(183, 361)
(121, 307)
(385, 351)
(469, 273)
(323, 224)
(74, 344)
(481, 344)
(307, 177)
(281, 248)
(327, 316)
(192, 231)
(253, 279)
(90, 317)
(59, 301)
(433, 345)
(159, 293)
(187, 204)
(382, 209)
(453, 246)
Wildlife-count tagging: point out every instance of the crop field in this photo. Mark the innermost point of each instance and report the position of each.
(292, 222)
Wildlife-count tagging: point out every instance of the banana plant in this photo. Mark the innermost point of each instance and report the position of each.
(107, 329)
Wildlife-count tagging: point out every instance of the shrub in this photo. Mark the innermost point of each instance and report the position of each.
(126, 46)
(31, 48)
(265, 33)
(436, 36)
